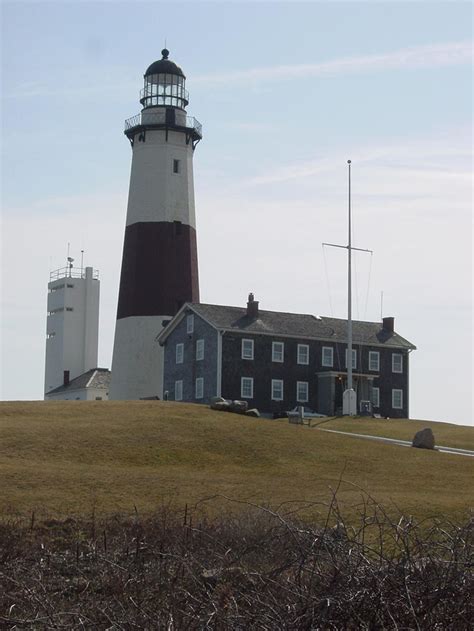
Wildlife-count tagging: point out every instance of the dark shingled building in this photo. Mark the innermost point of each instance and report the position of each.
(278, 360)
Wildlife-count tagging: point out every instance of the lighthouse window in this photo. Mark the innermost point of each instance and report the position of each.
(176, 166)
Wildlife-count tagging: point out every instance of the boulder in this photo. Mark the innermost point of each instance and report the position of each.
(253, 412)
(424, 439)
(240, 407)
(221, 406)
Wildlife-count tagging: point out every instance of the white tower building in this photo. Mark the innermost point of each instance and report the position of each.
(72, 327)
(159, 264)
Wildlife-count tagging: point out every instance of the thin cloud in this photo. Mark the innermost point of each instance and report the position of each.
(436, 55)
(434, 157)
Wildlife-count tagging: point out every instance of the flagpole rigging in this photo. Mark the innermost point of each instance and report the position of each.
(349, 397)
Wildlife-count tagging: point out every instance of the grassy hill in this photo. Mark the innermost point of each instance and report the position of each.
(75, 457)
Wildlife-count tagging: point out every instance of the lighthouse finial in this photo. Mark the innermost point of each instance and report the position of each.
(165, 52)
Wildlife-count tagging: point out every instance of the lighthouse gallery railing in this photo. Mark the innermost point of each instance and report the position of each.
(157, 119)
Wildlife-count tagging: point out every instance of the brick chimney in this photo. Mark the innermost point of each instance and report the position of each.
(388, 325)
(66, 378)
(252, 307)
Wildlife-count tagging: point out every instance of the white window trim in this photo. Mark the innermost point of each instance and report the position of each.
(282, 346)
(179, 353)
(397, 407)
(244, 340)
(242, 380)
(401, 363)
(298, 384)
(200, 350)
(323, 359)
(298, 356)
(190, 323)
(354, 358)
(199, 388)
(178, 390)
(376, 391)
(375, 354)
(274, 382)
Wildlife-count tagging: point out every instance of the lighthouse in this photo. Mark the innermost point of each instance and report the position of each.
(159, 263)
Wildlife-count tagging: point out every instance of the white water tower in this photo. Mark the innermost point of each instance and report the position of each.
(72, 326)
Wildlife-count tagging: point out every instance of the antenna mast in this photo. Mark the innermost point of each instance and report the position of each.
(349, 407)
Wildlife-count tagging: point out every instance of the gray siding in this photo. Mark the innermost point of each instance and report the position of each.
(191, 369)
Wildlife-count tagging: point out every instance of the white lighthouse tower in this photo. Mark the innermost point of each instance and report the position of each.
(72, 325)
(159, 264)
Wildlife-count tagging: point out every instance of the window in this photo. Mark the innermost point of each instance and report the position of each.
(98, 398)
(50, 335)
(199, 388)
(303, 354)
(397, 362)
(375, 397)
(397, 399)
(199, 350)
(302, 391)
(179, 353)
(69, 309)
(277, 389)
(247, 349)
(278, 349)
(176, 166)
(327, 356)
(354, 358)
(71, 287)
(178, 390)
(246, 387)
(374, 360)
(190, 323)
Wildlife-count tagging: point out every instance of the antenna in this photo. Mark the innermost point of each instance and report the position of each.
(82, 262)
(381, 305)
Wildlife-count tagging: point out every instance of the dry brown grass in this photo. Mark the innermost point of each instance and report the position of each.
(61, 458)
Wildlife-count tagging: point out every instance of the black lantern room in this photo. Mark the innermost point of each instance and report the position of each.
(164, 85)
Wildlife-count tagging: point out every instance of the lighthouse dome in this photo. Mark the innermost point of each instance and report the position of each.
(164, 85)
(164, 66)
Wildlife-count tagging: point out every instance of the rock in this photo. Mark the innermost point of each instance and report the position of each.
(424, 439)
(240, 407)
(221, 406)
(253, 412)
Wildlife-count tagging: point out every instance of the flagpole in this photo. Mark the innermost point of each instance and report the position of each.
(349, 397)
(349, 289)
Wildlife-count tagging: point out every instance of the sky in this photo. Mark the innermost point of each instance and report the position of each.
(286, 93)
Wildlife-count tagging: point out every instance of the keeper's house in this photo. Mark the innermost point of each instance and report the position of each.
(279, 360)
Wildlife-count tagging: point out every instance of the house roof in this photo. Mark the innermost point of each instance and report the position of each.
(98, 378)
(280, 324)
